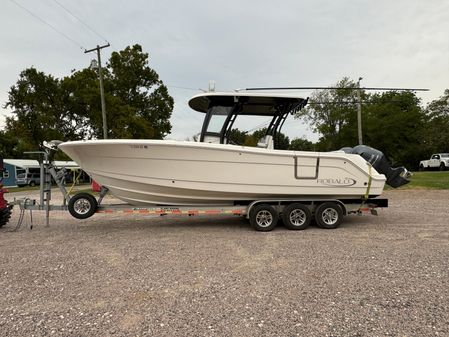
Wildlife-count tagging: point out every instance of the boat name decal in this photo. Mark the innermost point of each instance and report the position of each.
(337, 182)
(139, 146)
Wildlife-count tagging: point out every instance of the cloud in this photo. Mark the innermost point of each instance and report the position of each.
(239, 44)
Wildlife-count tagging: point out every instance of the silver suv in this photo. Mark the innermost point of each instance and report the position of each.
(28, 179)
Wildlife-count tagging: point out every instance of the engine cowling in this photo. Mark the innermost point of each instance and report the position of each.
(396, 176)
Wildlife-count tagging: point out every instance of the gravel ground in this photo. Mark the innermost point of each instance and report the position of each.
(215, 276)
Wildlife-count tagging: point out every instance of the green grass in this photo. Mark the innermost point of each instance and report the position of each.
(22, 189)
(435, 180)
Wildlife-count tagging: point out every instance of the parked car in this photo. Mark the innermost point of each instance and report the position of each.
(436, 161)
(28, 179)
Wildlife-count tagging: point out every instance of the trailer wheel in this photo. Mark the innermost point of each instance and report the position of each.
(82, 205)
(263, 217)
(5, 215)
(296, 216)
(328, 215)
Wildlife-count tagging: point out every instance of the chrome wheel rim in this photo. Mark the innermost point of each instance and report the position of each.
(297, 217)
(264, 219)
(330, 216)
(81, 206)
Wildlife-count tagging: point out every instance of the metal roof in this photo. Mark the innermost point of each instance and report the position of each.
(24, 163)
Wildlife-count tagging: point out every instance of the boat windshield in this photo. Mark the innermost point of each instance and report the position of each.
(218, 116)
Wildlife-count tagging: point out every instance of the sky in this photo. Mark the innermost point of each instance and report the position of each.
(237, 44)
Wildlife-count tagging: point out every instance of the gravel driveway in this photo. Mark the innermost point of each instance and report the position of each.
(215, 276)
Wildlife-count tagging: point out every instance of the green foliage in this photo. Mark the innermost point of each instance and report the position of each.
(333, 114)
(9, 145)
(435, 137)
(301, 144)
(39, 111)
(82, 98)
(428, 180)
(237, 137)
(147, 104)
(392, 124)
(281, 141)
(44, 108)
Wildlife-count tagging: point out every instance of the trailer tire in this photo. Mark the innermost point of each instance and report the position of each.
(82, 205)
(328, 215)
(263, 217)
(296, 216)
(5, 215)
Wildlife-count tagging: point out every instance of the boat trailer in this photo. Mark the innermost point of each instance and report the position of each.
(263, 215)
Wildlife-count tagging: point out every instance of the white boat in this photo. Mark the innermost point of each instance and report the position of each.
(214, 171)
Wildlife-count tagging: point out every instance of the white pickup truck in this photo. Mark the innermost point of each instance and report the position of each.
(436, 161)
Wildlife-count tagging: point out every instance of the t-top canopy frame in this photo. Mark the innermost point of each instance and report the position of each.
(231, 105)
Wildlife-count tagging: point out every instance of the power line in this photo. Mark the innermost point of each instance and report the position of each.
(183, 88)
(81, 21)
(48, 24)
(336, 88)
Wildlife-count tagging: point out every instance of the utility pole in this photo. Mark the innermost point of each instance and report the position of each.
(359, 113)
(100, 74)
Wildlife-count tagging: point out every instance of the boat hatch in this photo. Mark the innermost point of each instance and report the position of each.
(222, 109)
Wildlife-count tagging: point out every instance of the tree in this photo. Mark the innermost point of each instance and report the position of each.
(147, 104)
(392, 121)
(281, 141)
(39, 111)
(82, 98)
(301, 144)
(393, 124)
(9, 145)
(435, 136)
(333, 114)
(237, 137)
(45, 108)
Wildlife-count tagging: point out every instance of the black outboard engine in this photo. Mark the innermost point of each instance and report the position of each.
(395, 176)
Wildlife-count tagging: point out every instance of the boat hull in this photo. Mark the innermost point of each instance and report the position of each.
(159, 172)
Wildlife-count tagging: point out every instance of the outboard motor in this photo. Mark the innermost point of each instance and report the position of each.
(395, 176)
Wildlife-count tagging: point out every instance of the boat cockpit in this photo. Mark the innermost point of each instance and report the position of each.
(222, 109)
